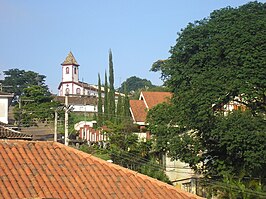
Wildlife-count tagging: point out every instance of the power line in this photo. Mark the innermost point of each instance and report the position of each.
(226, 186)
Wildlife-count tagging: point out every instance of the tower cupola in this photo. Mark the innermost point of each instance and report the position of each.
(70, 69)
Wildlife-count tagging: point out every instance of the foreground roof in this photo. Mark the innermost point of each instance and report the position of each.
(51, 170)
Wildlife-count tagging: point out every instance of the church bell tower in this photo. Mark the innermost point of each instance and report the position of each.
(70, 69)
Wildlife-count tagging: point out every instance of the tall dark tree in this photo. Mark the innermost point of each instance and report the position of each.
(100, 104)
(16, 80)
(106, 107)
(119, 109)
(126, 106)
(111, 96)
(218, 60)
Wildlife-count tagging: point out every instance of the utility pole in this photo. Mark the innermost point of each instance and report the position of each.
(55, 125)
(66, 120)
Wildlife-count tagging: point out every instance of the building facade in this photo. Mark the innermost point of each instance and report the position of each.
(5, 101)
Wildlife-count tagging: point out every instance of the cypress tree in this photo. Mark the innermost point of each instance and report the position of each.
(100, 104)
(126, 111)
(106, 98)
(119, 109)
(112, 90)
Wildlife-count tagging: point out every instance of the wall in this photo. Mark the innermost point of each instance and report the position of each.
(4, 110)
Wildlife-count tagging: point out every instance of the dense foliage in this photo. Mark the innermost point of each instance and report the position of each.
(36, 105)
(126, 150)
(100, 103)
(105, 104)
(111, 93)
(135, 83)
(218, 60)
(16, 80)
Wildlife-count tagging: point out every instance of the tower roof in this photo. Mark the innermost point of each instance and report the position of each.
(70, 60)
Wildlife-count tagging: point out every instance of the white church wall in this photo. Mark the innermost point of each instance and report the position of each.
(84, 108)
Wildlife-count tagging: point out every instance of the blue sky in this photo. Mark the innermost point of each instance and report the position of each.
(37, 35)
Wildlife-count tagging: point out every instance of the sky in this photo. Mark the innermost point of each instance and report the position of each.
(38, 35)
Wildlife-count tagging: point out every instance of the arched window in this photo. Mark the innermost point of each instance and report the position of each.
(75, 70)
(78, 90)
(67, 70)
(67, 90)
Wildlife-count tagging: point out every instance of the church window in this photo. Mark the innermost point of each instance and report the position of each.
(67, 90)
(78, 90)
(67, 70)
(75, 70)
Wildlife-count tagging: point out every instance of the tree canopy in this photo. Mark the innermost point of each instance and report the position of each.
(16, 80)
(36, 104)
(111, 94)
(135, 83)
(217, 60)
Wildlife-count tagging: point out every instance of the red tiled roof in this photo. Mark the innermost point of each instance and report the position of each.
(77, 100)
(138, 110)
(52, 170)
(6, 132)
(154, 98)
(148, 100)
(14, 135)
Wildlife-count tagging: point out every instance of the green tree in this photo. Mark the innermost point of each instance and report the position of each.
(126, 111)
(127, 151)
(135, 83)
(36, 105)
(16, 80)
(119, 109)
(215, 61)
(100, 104)
(111, 94)
(106, 108)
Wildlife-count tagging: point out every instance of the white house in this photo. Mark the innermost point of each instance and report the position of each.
(5, 100)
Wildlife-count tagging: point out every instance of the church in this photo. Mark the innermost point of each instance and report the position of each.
(82, 96)
(70, 83)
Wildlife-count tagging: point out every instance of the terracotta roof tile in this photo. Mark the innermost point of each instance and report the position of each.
(51, 170)
(154, 98)
(138, 110)
(148, 100)
(7, 133)
(77, 100)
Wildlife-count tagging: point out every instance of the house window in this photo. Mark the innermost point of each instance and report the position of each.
(67, 90)
(78, 90)
(67, 70)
